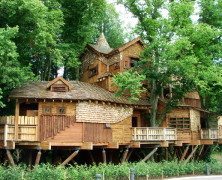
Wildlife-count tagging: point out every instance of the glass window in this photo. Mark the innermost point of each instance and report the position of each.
(61, 110)
(46, 110)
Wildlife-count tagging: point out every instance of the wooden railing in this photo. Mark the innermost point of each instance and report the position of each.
(154, 134)
(50, 125)
(27, 128)
(209, 134)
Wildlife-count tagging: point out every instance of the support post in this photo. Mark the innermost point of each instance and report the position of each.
(151, 153)
(200, 152)
(91, 157)
(104, 155)
(38, 157)
(125, 155)
(70, 157)
(184, 153)
(191, 154)
(10, 158)
(16, 119)
(129, 154)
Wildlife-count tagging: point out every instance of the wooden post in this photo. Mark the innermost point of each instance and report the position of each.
(38, 157)
(30, 159)
(70, 157)
(5, 135)
(104, 155)
(16, 119)
(184, 153)
(10, 158)
(151, 153)
(191, 154)
(91, 157)
(125, 155)
(200, 152)
(166, 154)
(129, 154)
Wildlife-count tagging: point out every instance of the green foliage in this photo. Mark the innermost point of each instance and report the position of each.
(110, 171)
(130, 83)
(12, 74)
(179, 53)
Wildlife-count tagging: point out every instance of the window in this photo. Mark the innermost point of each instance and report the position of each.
(93, 71)
(107, 125)
(46, 110)
(126, 64)
(133, 61)
(180, 123)
(59, 88)
(61, 110)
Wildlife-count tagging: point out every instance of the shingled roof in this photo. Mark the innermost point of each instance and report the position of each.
(79, 91)
(102, 45)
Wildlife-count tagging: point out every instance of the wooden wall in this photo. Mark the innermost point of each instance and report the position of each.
(70, 107)
(122, 131)
(97, 133)
(194, 120)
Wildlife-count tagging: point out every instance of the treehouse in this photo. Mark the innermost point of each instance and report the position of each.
(73, 114)
(188, 121)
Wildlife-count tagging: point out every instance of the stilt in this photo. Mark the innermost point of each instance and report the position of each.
(166, 154)
(10, 158)
(191, 154)
(111, 156)
(200, 152)
(129, 154)
(38, 157)
(184, 153)
(104, 155)
(125, 155)
(91, 157)
(151, 153)
(70, 157)
(30, 159)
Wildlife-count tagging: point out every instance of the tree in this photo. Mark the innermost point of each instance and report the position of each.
(12, 74)
(81, 18)
(178, 53)
(39, 30)
(111, 27)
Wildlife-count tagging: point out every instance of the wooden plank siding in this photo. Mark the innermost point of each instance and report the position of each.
(122, 131)
(97, 133)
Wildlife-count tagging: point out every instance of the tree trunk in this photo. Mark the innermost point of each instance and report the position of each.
(154, 102)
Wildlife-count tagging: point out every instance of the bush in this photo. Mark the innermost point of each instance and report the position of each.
(110, 171)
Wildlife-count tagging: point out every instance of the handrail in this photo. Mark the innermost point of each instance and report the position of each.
(153, 134)
(212, 133)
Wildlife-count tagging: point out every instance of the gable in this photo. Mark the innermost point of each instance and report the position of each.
(58, 85)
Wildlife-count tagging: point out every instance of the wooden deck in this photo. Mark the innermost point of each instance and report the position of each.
(47, 131)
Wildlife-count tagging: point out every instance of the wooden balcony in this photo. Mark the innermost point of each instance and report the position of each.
(27, 129)
(154, 134)
(209, 134)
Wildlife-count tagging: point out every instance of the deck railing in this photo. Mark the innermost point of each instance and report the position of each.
(27, 128)
(154, 134)
(209, 134)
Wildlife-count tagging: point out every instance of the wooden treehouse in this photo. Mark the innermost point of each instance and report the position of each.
(87, 115)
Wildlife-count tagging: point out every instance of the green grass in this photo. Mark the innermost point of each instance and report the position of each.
(110, 171)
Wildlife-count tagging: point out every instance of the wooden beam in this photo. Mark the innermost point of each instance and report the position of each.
(38, 157)
(70, 157)
(87, 146)
(129, 154)
(10, 158)
(125, 155)
(113, 145)
(200, 152)
(191, 154)
(184, 153)
(104, 155)
(151, 153)
(16, 119)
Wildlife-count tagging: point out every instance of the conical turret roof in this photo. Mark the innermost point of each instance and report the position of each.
(102, 45)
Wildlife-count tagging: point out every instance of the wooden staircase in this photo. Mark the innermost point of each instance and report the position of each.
(52, 125)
